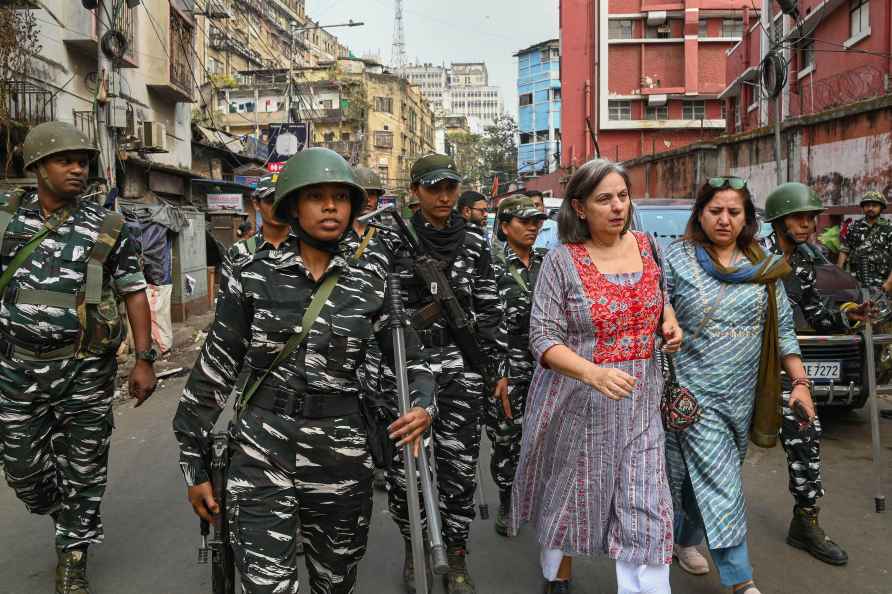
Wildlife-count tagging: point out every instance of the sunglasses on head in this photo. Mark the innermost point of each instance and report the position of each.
(735, 183)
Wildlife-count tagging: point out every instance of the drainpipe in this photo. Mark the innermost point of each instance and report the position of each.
(588, 116)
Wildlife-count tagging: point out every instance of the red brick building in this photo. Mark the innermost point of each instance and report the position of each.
(643, 76)
(838, 53)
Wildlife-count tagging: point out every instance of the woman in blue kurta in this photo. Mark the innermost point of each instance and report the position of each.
(739, 327)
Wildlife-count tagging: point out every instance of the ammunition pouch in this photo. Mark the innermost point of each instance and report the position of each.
(435, 338)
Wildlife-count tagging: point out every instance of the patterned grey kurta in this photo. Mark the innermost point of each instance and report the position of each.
(719, 366)
(592, 472)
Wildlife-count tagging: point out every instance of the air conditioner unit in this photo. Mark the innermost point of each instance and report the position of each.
(132, 125)
(154, 136)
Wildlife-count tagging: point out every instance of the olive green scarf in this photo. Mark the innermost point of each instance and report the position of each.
(764, 269)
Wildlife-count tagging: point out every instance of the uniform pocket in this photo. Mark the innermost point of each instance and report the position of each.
(350, 335)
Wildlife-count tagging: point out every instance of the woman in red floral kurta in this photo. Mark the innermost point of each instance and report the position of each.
(592, 474)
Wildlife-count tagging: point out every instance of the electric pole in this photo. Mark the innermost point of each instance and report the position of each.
(778, 101)
(104, 139)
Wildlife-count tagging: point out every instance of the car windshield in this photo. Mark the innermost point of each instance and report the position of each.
(665, 224)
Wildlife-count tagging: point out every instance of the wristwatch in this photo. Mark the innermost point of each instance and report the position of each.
(431, 410)
(150, 355)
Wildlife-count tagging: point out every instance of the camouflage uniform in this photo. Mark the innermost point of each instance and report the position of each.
(55, 408)
(803, 446)
(285, 464)
(460, 391)
(870, 251)
(504, 433)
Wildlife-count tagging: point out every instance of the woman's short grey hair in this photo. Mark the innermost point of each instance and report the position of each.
(572, 229)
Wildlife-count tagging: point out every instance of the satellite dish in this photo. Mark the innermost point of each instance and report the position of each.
(287, 144)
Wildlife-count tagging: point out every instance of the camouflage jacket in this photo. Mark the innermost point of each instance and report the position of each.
(870, 251)
(517, 300)
(60, 264)
(473, 281)
(261, 303)
(820, 311)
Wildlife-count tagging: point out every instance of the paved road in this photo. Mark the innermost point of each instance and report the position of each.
(151, 534)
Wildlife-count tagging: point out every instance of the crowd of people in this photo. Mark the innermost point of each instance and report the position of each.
(580, 332)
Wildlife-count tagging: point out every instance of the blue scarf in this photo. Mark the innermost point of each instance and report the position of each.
(763, 269)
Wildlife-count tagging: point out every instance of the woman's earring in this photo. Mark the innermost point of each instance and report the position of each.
(581, 217)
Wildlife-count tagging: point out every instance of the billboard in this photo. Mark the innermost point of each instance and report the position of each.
(300, 131)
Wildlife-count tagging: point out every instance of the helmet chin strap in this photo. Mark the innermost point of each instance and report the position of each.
(41, 169)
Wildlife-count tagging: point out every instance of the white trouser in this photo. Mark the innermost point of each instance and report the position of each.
(159, 306)
(630, 578)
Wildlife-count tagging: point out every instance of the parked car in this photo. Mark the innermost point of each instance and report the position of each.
(836, 363)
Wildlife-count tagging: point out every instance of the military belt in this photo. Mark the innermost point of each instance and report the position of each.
(435, 338)
(19, 296)
(308, 405)
(13, 350)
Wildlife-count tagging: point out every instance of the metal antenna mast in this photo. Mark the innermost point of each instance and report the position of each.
(398, 55)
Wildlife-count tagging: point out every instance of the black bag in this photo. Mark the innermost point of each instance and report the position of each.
(376, 420)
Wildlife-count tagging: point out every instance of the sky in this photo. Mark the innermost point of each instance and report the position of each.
(439, 31)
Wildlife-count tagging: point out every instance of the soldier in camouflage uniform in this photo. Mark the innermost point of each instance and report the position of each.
(299, 447)
(791, 209)
(59, 333)
(461, 394)
(867, 246)
(519, 222)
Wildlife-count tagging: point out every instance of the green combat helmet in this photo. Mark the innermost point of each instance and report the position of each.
(519, 206)
(315, 166)
(791, 198)
(52, 138)
(874, 196)
(369, 180)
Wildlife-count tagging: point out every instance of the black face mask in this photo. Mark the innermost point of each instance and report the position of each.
(443, 244)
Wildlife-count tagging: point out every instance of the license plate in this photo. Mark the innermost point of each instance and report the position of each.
(829, 370)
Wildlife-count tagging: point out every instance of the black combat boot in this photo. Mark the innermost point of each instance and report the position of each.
(502, 517)
(409, 569)
(806, 534)
(71, 572)
(557, 587)
(458, 581)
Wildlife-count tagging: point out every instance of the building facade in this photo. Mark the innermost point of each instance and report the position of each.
(354, 107)
(539, 109)
(461, 89)
(837, 54)
(642, 77)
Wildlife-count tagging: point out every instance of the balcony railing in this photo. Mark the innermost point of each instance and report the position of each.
(85, 121)
(26, 104)
(180, 44)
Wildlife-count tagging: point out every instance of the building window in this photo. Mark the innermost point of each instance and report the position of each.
(619, 110)
(693, 110)
(732, 28)
(704, 29)
(384, 174)
(526, 99)
(859, 17)
(656, 112)
(807, 55)
(659, 31)
(724, 112)
(620, 29)
(384, 104)
(384, 139)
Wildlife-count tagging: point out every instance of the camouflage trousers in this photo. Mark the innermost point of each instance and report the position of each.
(456, 432)
(288, 474)
(55, 427)
(803, 448)
(505, 436)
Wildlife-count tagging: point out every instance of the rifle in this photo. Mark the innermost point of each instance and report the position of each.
(222, 560)
(445, 304)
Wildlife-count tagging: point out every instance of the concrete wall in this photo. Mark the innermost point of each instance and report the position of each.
(841, 154)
